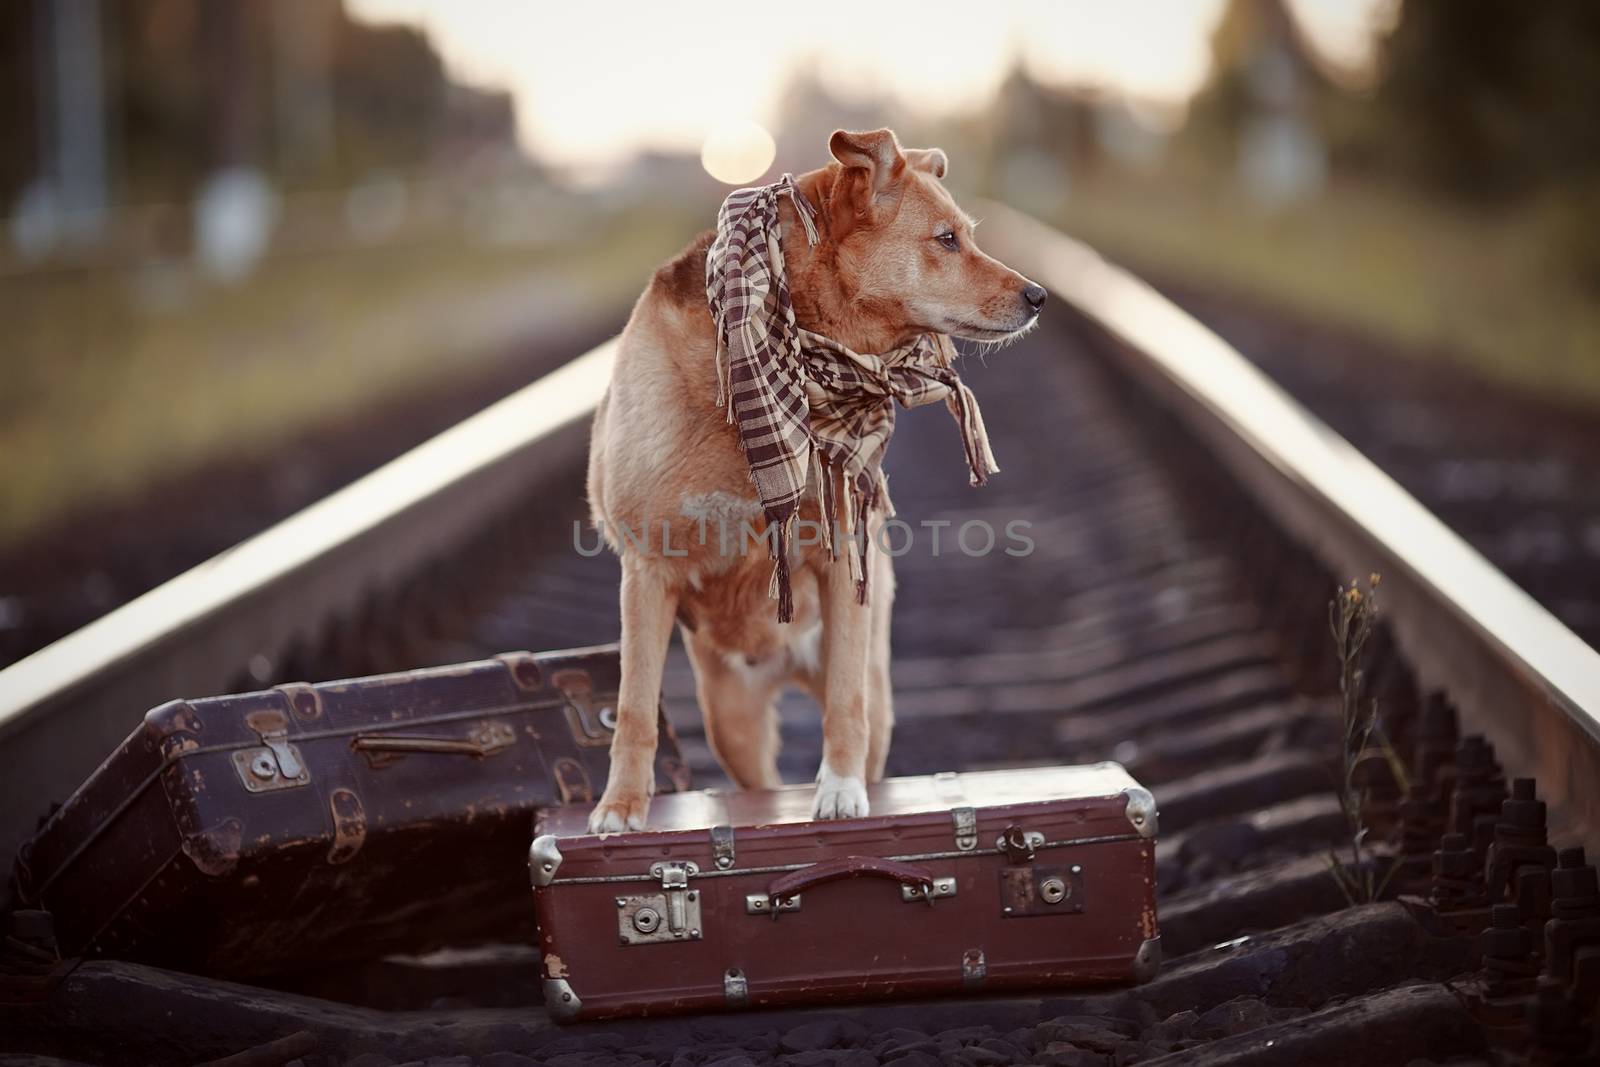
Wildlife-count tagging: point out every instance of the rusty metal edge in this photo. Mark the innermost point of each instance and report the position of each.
(65, 706)
(1519, 675)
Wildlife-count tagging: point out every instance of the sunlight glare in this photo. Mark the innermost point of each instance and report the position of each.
(739, 152)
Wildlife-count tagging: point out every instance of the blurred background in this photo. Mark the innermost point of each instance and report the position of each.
(251, 249)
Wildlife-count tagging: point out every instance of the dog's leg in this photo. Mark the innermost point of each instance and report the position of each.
(647, 613)
(741, 721)
(846, 634)
(880, 688)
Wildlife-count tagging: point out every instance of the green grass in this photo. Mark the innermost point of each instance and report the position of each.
(1486, 290)
(99, 395)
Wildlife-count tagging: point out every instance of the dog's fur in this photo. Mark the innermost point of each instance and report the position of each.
(664, 456)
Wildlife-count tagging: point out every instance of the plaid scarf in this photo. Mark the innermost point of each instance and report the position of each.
(807, 405)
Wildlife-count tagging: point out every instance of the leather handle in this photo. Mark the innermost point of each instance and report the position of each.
(485, 741)
(848, 867)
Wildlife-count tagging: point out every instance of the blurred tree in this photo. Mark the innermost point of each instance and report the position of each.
(1494, 99)
(1274, 106)
(1500, 102)
(21, 52)
(309, 95)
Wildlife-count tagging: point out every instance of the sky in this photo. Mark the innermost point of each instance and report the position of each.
(596, 83)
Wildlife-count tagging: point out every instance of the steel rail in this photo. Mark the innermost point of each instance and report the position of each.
(1518, 675)
(65, 707)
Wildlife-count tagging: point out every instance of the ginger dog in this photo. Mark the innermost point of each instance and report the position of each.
(894, 259)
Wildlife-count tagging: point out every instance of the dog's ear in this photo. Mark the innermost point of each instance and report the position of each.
(928, 160)
(870, 186)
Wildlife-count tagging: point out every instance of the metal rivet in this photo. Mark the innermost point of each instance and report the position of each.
(621, 903)
(692, 896)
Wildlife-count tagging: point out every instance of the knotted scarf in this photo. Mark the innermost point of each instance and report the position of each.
(805, 404)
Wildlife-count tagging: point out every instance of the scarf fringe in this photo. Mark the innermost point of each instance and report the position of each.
(781, 586)
(822, 472)
(802, 208)
(974, 438)
(724, 398)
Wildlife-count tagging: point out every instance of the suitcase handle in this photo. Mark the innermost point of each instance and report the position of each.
(907, 874)
(485, 741)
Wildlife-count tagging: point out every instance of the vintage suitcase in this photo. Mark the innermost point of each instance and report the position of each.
(954, 884)
(301, 825)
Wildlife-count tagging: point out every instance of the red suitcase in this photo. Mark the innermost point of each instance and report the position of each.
(955, 883)
(298, 826)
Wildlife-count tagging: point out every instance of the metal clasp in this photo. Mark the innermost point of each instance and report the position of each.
(673, 875)
(277, 765)
(640, 917)
(590, 718)
(735, 988)
(284, 753)
(966, 824)
(974, 968)
(928, 891)
(761, 904)
(1018, 844)
(722, 850)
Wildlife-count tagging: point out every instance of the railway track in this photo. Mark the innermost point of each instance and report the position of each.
(1189, 524)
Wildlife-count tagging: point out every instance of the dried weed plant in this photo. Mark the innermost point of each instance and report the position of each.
(1352, 614)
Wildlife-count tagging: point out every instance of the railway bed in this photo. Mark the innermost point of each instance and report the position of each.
(1189, 525)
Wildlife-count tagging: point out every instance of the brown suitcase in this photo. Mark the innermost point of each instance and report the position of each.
(955, 883)
(271, 831)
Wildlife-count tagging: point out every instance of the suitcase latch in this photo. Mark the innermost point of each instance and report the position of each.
(277, 765)
(591, 720)
(670, 915)
(966, 825)
(1019, 845)
(722, 846)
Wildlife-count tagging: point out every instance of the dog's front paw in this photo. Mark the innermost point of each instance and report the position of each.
(623, 810)
(839, 797)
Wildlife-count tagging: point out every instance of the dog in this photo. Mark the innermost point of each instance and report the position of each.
(894, 259)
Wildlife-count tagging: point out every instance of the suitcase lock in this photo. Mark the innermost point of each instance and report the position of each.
(1027, 889)
(670, 915)
(277, 765)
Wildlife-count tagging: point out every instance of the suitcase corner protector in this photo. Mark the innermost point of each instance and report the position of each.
(1141, 810)
(560, 1001)
(1147, 961)
(544, 859)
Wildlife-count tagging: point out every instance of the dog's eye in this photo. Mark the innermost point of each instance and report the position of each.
(949, 240)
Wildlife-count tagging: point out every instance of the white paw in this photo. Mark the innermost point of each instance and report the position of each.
(614, 816)
(839, 797)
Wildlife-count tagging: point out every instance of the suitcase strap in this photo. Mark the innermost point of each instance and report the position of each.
(919, 880)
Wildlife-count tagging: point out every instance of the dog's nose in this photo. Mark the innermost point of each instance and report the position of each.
(1034, 295)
